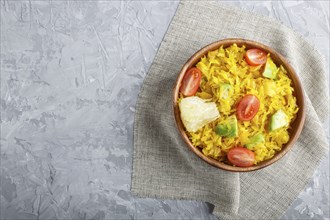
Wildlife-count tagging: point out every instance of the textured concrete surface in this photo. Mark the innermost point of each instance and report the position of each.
(70, 76)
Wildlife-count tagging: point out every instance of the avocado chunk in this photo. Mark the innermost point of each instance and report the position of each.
(254, 140)
(278, 120)
(228, 128)
(270, 70)
(225, 90)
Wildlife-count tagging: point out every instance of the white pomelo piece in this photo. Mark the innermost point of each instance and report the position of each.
(196, 113)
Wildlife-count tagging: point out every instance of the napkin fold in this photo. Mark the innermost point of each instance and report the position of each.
(164, 167)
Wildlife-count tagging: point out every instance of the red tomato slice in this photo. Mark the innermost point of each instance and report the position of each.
(241, 157)
(191, 82)
(255, 57)
(247, 107)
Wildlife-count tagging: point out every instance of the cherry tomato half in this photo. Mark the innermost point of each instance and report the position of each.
(255, 57)
(247, 107)
(241, 157)
(191, 82)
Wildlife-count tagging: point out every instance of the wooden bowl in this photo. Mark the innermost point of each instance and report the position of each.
(297, 125)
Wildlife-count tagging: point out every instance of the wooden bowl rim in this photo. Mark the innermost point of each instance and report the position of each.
(292, 75)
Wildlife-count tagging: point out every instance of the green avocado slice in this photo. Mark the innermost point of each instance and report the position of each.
(270, 70)
(228, 128)
(278, 120)
(254, 140)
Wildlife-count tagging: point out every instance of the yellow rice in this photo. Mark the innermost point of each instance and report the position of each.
(229, 66)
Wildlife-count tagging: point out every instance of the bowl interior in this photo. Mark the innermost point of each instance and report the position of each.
(278, 59)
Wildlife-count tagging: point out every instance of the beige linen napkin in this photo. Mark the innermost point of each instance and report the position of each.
(163, 167)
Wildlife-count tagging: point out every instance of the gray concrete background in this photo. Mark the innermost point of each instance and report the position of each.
(71, 72)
